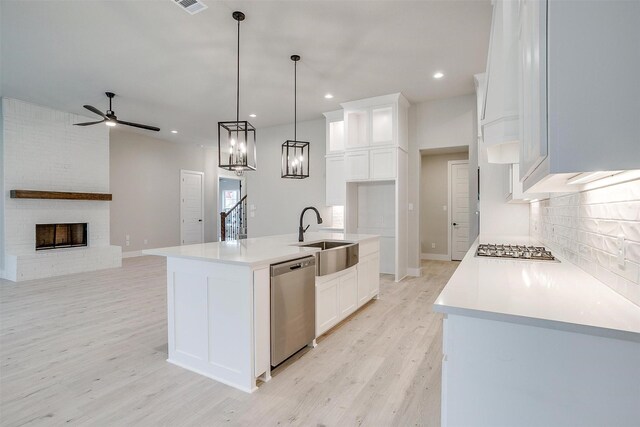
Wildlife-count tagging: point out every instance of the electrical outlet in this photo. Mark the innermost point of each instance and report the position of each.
(620, 244)
(126, 237)
(444, 207)
(410, 206)
(146, 241)
(127, 243)
(433, 246)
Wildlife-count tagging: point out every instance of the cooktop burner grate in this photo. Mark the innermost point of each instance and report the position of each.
(534, 253)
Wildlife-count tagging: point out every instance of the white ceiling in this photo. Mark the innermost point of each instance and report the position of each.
(177, 71)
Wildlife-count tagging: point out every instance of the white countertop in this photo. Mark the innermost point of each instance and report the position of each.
(548, 294)
(255, 251)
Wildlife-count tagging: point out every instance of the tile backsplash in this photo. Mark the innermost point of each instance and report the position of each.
(585, 228)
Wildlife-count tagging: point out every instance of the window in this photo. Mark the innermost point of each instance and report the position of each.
(230, 198)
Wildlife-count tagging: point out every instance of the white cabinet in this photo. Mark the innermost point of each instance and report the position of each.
(335, 180)
(348, 294)
(357, 128)
(500, 120)
(327, 305)
(335, 132)
(579, 108)
(357, 165)
(368, 278)
(340, 294)
(382, 163)
(513, 187)
(382, 125)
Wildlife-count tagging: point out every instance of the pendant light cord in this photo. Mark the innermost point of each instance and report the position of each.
(295, 100)
(238, 78)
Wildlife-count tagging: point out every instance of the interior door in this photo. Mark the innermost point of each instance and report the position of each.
(459, 210)
(191, 207)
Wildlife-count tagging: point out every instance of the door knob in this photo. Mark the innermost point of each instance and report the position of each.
(199, 220)
(454, 224)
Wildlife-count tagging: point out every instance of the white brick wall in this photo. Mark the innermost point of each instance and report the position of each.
(583, 227)
(44, 151)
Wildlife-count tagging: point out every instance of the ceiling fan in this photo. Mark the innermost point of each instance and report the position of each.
(110, 119)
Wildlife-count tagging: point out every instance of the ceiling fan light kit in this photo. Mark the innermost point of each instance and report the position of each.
(110, 119)
(295, 154)
(237, 139)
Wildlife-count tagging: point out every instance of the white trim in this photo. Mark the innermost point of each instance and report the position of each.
(436, 257)
(414, 272)
(449, 189)
(132, 254)
(182, 173)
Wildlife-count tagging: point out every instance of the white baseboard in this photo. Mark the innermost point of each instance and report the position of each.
(132, 254)
(435, 257)
(415, 272)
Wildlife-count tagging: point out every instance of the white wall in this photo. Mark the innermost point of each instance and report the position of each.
(44, 151)
(145, 182)
(497, 217)
(278, 202)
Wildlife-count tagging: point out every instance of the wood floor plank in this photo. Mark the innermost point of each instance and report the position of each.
(90, 349)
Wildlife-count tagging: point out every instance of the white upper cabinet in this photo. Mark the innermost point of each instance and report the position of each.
(382, 126)
(374, 122)
(357, 165)
(499, 118)
(335, 131)
(580, 104)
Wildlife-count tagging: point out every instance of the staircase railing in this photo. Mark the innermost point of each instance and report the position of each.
(233, 223)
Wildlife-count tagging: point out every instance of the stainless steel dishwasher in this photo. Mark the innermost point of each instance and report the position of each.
(293, 307)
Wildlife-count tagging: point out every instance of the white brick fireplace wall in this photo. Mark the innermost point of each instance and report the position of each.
(44, 151)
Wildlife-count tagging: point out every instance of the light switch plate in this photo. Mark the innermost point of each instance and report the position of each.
(444, 207)
(410, 206)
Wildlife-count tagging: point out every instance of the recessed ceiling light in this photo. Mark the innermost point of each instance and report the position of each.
(174, 131)
(438, 75)
(252, 115)
(328, 96)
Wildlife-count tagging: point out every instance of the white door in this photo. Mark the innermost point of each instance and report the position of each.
(459, 213)
(191, 207)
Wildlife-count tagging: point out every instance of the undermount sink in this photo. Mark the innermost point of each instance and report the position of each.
(334, 256)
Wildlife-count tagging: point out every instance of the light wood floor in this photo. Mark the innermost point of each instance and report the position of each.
(90, 349)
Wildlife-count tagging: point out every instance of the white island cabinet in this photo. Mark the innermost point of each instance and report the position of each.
(218, 301)
(535, 343)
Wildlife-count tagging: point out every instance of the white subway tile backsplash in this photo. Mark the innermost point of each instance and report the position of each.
(584, 228)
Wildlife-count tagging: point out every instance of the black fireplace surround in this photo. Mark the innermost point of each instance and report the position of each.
(56, 236)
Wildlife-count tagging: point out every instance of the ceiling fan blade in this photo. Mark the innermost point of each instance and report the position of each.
(95, 110)
(88, 123)
(136, 125)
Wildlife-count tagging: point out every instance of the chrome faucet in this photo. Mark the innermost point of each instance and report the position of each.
(302, 229)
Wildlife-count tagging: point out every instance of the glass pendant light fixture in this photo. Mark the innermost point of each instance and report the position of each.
(237, 139)
(295, 154)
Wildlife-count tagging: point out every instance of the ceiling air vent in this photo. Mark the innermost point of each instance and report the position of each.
(191, 6)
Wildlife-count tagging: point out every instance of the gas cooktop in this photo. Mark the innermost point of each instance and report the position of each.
(530, 253)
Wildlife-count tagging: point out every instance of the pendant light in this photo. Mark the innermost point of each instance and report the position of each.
(295, 154)
(237, 139)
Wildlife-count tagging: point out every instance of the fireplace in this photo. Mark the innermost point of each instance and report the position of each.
(55, 236)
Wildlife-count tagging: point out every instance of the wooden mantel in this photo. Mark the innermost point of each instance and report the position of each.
(59, 195)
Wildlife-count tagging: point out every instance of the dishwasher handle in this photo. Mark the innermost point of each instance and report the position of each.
(293, 265)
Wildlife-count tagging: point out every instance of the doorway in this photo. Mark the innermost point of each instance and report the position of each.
(229, 194)
(191, 207)
(437, 204)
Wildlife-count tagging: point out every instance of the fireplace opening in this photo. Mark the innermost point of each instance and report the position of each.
(55, 236)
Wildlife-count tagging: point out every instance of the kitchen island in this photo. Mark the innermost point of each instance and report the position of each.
(218, 300)
(533, 343)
